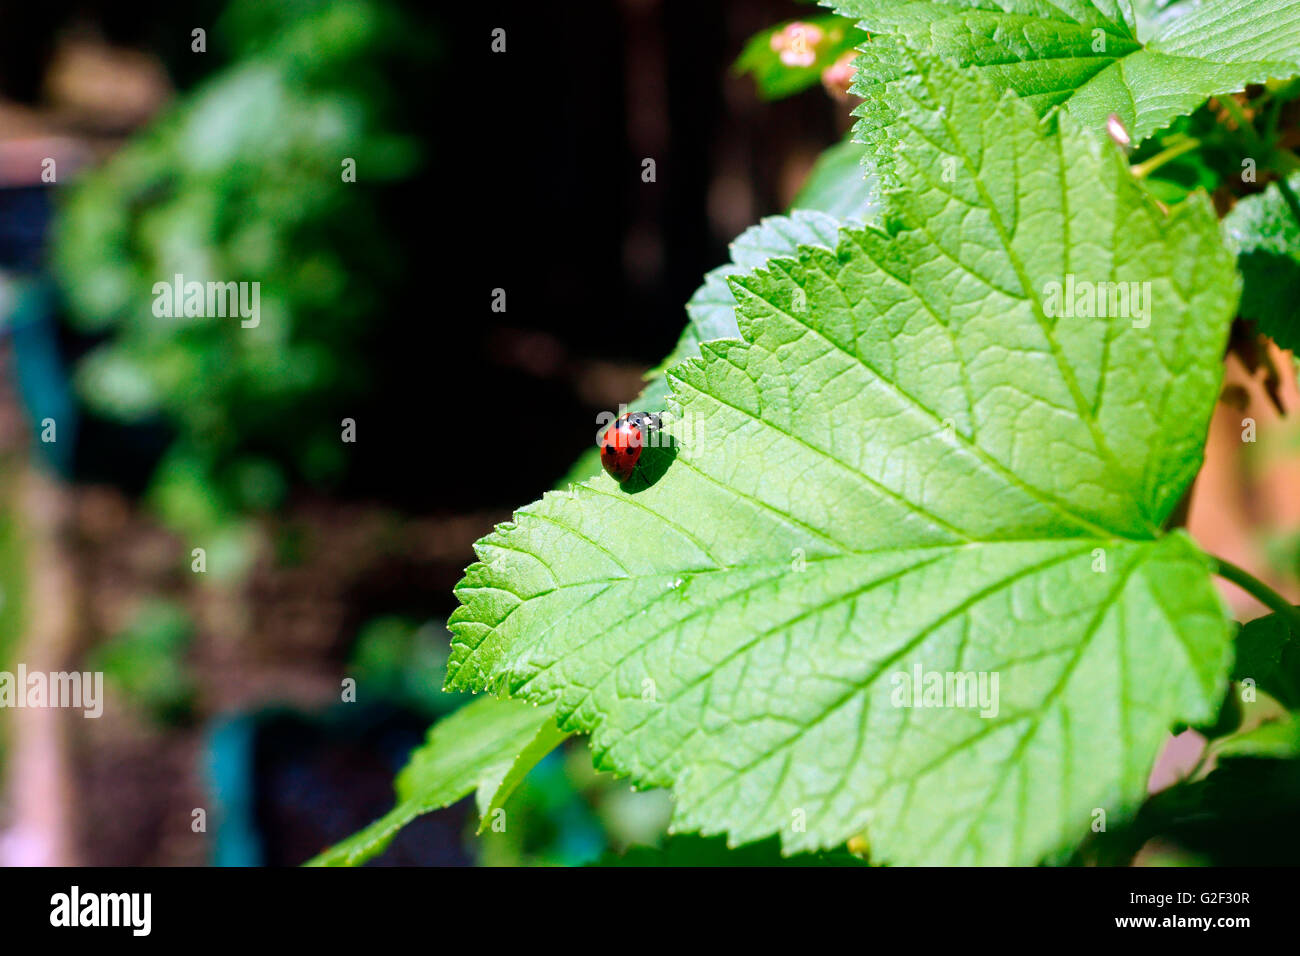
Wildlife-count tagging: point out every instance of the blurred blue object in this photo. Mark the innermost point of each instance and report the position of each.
(29, 318)
(228, 767)
(42, 375)
(286, 783)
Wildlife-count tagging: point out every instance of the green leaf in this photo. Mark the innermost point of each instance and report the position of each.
(483, 746)
(1268, 652)
(840, 185)
(1276, 738)
(1265, 229)
(776, 79)
(903, 463)
(1089, 58)
(690, 850)
(1242, 814)
(497, 785)
(146, 661)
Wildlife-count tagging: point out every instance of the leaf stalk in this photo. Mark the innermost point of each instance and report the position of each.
(1144, 169)
(1259, 590)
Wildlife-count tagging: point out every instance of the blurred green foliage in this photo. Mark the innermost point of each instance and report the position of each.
(146, 661)
(790, 57)
(242, 181)
(404, 663)
(1266, 230)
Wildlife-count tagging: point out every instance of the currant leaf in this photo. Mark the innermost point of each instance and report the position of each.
(905, 464)
(1088, 58)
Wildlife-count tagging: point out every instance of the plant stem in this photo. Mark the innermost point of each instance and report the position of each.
(1274, 114)
(1244, 126)
(1260, 591)
(1143, 169)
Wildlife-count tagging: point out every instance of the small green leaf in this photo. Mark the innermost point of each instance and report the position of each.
(1268, 652)
(146, 661)
(1276, 738)
(495, 788)
(906, 463)
(480, 747)
(1242, 814)
(1090, 58)
(1265, 229)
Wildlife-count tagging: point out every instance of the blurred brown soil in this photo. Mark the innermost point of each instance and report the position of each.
(280, 637)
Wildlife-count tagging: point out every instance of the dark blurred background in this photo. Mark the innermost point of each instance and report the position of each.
(476, 171)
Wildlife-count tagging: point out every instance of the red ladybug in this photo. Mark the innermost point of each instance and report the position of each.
(620, 446)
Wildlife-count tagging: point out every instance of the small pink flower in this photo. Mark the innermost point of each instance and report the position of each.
(797, 43)
(839, 75)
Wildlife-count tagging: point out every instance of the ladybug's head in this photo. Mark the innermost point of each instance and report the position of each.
(646, 421)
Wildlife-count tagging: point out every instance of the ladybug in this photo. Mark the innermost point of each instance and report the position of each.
(620, 446)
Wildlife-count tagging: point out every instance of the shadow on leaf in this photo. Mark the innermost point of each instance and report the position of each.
(652, 466)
